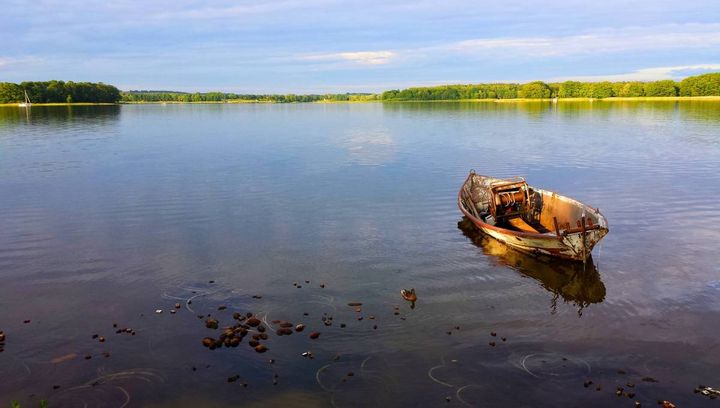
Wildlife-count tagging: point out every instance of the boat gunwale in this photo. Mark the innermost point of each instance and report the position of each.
(506, 231)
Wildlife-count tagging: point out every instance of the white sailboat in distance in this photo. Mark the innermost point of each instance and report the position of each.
(27, 102)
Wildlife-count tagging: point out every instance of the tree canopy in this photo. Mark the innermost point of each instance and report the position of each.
(58, 92)
(700, 85)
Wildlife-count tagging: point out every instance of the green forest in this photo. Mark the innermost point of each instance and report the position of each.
(170, 96)
(68, 92)
(700, 85)
(59, 92)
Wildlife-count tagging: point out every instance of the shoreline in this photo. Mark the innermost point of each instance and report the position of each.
(511, 100)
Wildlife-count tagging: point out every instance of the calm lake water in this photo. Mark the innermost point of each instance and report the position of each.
(108, 213)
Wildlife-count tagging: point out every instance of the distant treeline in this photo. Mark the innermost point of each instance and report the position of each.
(168, 96)
(700, 85)
(58, 92)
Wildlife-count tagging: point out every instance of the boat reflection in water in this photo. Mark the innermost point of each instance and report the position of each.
(577, 283)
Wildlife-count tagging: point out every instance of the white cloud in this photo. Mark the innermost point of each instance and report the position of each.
(598, 42)
(358, 57)
(628, 39)
(645, 74)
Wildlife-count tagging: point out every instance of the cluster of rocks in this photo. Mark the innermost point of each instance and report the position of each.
(123, 330)
(628, 390)
(249, 324)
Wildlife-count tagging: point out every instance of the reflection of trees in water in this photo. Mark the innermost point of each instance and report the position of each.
(63, 114)
(577, 283)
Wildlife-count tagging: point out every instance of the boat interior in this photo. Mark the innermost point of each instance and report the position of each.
(513, 204)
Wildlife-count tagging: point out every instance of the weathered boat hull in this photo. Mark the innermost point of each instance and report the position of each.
(570, 243)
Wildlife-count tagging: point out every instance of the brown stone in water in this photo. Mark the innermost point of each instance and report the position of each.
(234, 342)
(253, 322)
(358, 309)
(284, 331)
(503, 338)
(264, 336)
(208, 341)
(222, 307)
(253, 343)
(360, 318)
(493, 334)
(261, 328)
(256, 336)
(353, 304)
(314, 335)
(101, 339)
(233, 378)
(177, 305)
(105, 354)
(211, 323)
(261, 348)
(26, 321)
(286, 324)
(300, 327)
(492, 344)
(236, 316)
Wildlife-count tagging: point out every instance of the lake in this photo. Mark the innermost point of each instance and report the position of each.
(292, 211)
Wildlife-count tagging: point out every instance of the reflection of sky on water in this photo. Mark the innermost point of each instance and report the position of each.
(369, 147)
(362, 198)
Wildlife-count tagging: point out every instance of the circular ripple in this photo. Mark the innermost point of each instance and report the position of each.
(553, 365)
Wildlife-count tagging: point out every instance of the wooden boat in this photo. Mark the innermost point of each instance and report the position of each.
(530, 219)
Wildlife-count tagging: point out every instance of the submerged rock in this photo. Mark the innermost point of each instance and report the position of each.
(314, 335)
(261, 348)
(211, 323)
(253, 321)
(284, 331)
(300, 327)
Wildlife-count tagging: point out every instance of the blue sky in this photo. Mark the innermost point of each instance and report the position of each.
(306, 46)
